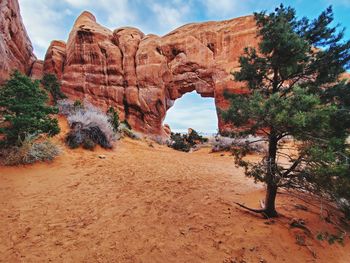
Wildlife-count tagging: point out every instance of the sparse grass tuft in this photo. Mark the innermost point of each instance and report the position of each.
(31, 150)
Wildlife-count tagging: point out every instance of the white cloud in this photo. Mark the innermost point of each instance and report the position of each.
(114, 12)
(222, 7)
(193, 111)
(170, 16)
(47, 20)
(78, 3)
(42, 22)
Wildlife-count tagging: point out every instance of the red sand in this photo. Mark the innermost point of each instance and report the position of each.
(149, 204)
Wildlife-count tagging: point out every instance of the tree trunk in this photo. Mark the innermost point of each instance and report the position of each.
(269, 209)
(271, 189)
(271, 192)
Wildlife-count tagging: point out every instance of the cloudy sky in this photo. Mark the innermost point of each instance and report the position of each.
(46, 20)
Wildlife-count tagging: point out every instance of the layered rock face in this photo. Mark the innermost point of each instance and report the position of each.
(16, 51)
(142, 75)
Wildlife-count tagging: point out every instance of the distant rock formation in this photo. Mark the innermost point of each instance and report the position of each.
(142, 75)
(16, 50)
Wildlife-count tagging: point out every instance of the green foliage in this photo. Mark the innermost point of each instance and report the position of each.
(194, 138)
(113, 118)
(184, 142)
(126, 123)
(125, 131)
(179, 142)
(23, 105)
(78, 105)
(286, 80)
(331, 238)
(51, 84)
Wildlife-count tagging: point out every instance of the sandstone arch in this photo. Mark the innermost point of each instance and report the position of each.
(141, 74)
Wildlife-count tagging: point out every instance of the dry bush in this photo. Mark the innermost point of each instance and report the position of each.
(124, 130)
(251, 143)
(89, 144)
(221, 143)
(31, 150)
(89, 124)
(65, 107)
(159, 139)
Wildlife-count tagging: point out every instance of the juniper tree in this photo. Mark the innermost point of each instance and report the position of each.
(51, 84)
(23, 107)
(296, 61)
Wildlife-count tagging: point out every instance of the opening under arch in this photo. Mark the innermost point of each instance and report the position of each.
(193, 111)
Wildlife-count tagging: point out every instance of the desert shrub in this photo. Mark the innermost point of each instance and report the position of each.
(249, 143)
(65, 107)
(159, 139)
(221, 143)
(113, 118)
(186, 142)
(89, 144)
(78, 105)
(125, 130)
(51, 84)
(23, 105)
(74, 139)
(194, 138)
(179, 142)
(89, 124)
(126, 123)
(31, 150)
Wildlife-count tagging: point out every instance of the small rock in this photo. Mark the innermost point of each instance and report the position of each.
(102, 156)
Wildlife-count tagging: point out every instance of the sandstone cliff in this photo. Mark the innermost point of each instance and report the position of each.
(142, 74)
(16, 51)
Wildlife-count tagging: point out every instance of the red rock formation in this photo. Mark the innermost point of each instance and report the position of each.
(16, 51)
(55, 58)
(345, 76)
(139, 74)
(143, 75)
(37, 70)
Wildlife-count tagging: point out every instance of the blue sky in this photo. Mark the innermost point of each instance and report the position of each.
(47, 20)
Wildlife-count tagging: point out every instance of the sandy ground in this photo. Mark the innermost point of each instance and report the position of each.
(149, 204)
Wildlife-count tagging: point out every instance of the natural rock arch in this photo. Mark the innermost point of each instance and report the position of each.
(139, 74)
(143, 74)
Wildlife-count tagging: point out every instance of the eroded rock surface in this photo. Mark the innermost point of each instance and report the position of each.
(16, 51)
(141, 74)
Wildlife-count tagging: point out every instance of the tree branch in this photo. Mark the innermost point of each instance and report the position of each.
(293, 166)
